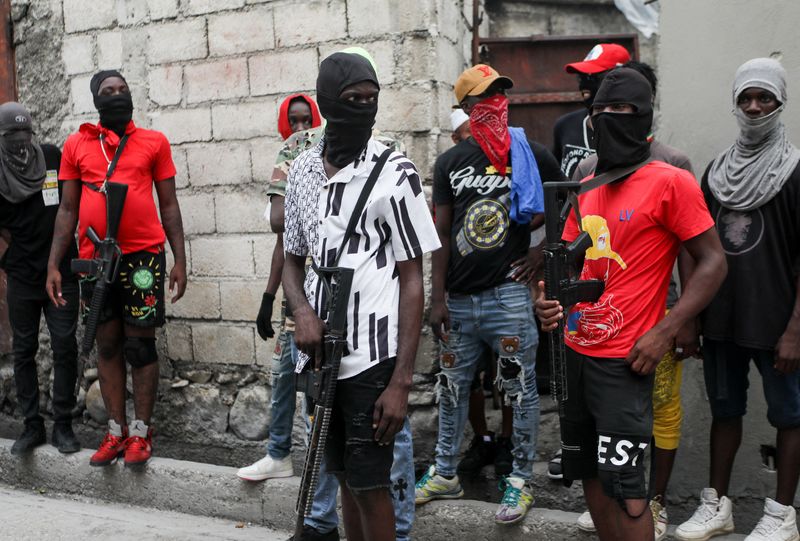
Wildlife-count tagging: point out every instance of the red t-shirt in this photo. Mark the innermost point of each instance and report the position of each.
(637, 227)
(146, 159)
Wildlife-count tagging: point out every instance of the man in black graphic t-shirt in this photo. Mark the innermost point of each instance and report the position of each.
(483, 270)
(29, 199)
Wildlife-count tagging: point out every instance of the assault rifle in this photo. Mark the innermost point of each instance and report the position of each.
(104, 267)
(559, 199)
(320, 385)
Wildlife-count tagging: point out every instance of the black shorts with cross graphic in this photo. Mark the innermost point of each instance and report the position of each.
(137, 295)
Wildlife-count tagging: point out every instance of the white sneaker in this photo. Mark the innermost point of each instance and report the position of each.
(660, 520)
(713, 517)
(779, 523)
(267, 468)
(585, 522)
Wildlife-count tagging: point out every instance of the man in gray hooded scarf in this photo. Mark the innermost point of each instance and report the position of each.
(753, 192)
(29, 200)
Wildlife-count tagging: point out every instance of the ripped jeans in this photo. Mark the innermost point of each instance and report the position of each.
(501, 317)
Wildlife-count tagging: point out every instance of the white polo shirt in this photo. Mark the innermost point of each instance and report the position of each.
(396, 225)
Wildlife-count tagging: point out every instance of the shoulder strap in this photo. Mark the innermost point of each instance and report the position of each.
(362, 201)
(111, 166)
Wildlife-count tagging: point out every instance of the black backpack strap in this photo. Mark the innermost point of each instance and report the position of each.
(111, 166)
(362, 201)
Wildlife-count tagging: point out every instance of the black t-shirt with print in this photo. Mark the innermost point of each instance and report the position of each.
(571, 133)
(31, 224)
(484, 241)
(754, 304)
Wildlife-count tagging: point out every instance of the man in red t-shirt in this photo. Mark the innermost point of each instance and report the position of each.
(135, 303)
(613, 345)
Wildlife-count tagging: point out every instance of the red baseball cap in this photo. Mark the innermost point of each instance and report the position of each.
(602, 57)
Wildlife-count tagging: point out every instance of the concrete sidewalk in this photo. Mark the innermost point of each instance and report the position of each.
(214, 491)
(81, 519)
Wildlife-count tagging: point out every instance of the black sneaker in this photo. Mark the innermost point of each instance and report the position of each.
(64, 439)
(33, 436)
(312, 534)
(554, 470)
(479, 454)
(503, 459)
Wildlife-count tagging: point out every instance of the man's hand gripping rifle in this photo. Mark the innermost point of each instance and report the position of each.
(559, 199)
(319, 385)
(104, 267)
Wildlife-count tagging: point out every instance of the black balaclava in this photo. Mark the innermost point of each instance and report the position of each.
(349, 124)
(590, 82)
(115, 111)
(621, 139)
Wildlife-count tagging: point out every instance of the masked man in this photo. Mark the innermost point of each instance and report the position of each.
(134, 307)
(386, 300)
(637, 225)
(29, 198)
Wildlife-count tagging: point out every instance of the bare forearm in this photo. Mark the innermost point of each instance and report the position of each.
(410, 323)
(173, 227)
(276, 267)
(63, 235)
(292, 276)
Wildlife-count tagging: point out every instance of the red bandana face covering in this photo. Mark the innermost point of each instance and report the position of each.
(488, 121)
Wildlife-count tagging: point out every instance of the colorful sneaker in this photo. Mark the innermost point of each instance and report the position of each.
(267, 468)
(435, 487)
(517, 498)
(554, 467)
(112, 446)
(714, 516)
(660, 520)
(779, 523)
(585, 522)
(140, 444)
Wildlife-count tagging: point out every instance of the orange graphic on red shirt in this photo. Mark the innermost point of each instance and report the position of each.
(597, 227)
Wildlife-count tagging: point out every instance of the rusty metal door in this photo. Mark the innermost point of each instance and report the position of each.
(543, 91)
(8, 92)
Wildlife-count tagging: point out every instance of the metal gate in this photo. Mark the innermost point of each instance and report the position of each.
(543, 91)
(8, 92)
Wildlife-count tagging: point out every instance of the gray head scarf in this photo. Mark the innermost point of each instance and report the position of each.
(22, 167)
(754, 169)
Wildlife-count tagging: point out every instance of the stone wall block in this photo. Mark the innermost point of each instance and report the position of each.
(109, 50)
(263, 245)
(131, 12)
(201, 301)
(77, 53)
(230, 256)
(365, 18)
(220, 163)
(183, 125)
(166, 85)
(179, 341)
(80, 15)
(242, 212)
(411, 109)
(173, 42)
(195, 409)
(266, 348)
(283, 72)
(162, 9)
(199, 7)
(182, 168)
(223, 344)
(241, 300)
(198, 213)
(82, 102)
(262, 154)
(323, 20)
(244, 120)
(216, 80)
(241, 32)
(250, 414)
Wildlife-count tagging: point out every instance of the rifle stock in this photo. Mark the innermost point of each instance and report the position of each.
(104, 267)
(320, 385)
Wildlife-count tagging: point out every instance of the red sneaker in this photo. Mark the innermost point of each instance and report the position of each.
(139, 449)
(110, 449)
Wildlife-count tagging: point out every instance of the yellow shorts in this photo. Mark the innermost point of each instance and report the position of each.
(667, 412)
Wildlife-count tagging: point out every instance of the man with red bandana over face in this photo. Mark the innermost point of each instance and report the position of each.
(486, 192)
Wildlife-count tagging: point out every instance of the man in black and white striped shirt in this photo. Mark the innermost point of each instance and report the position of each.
(386, 301)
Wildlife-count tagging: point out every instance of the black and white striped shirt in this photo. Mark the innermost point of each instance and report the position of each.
(396, 225)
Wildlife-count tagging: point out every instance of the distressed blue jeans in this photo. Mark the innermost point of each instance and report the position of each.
(502, 318)
(323, 510)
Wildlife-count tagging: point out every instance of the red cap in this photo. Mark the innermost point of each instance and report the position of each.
(602, 57)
